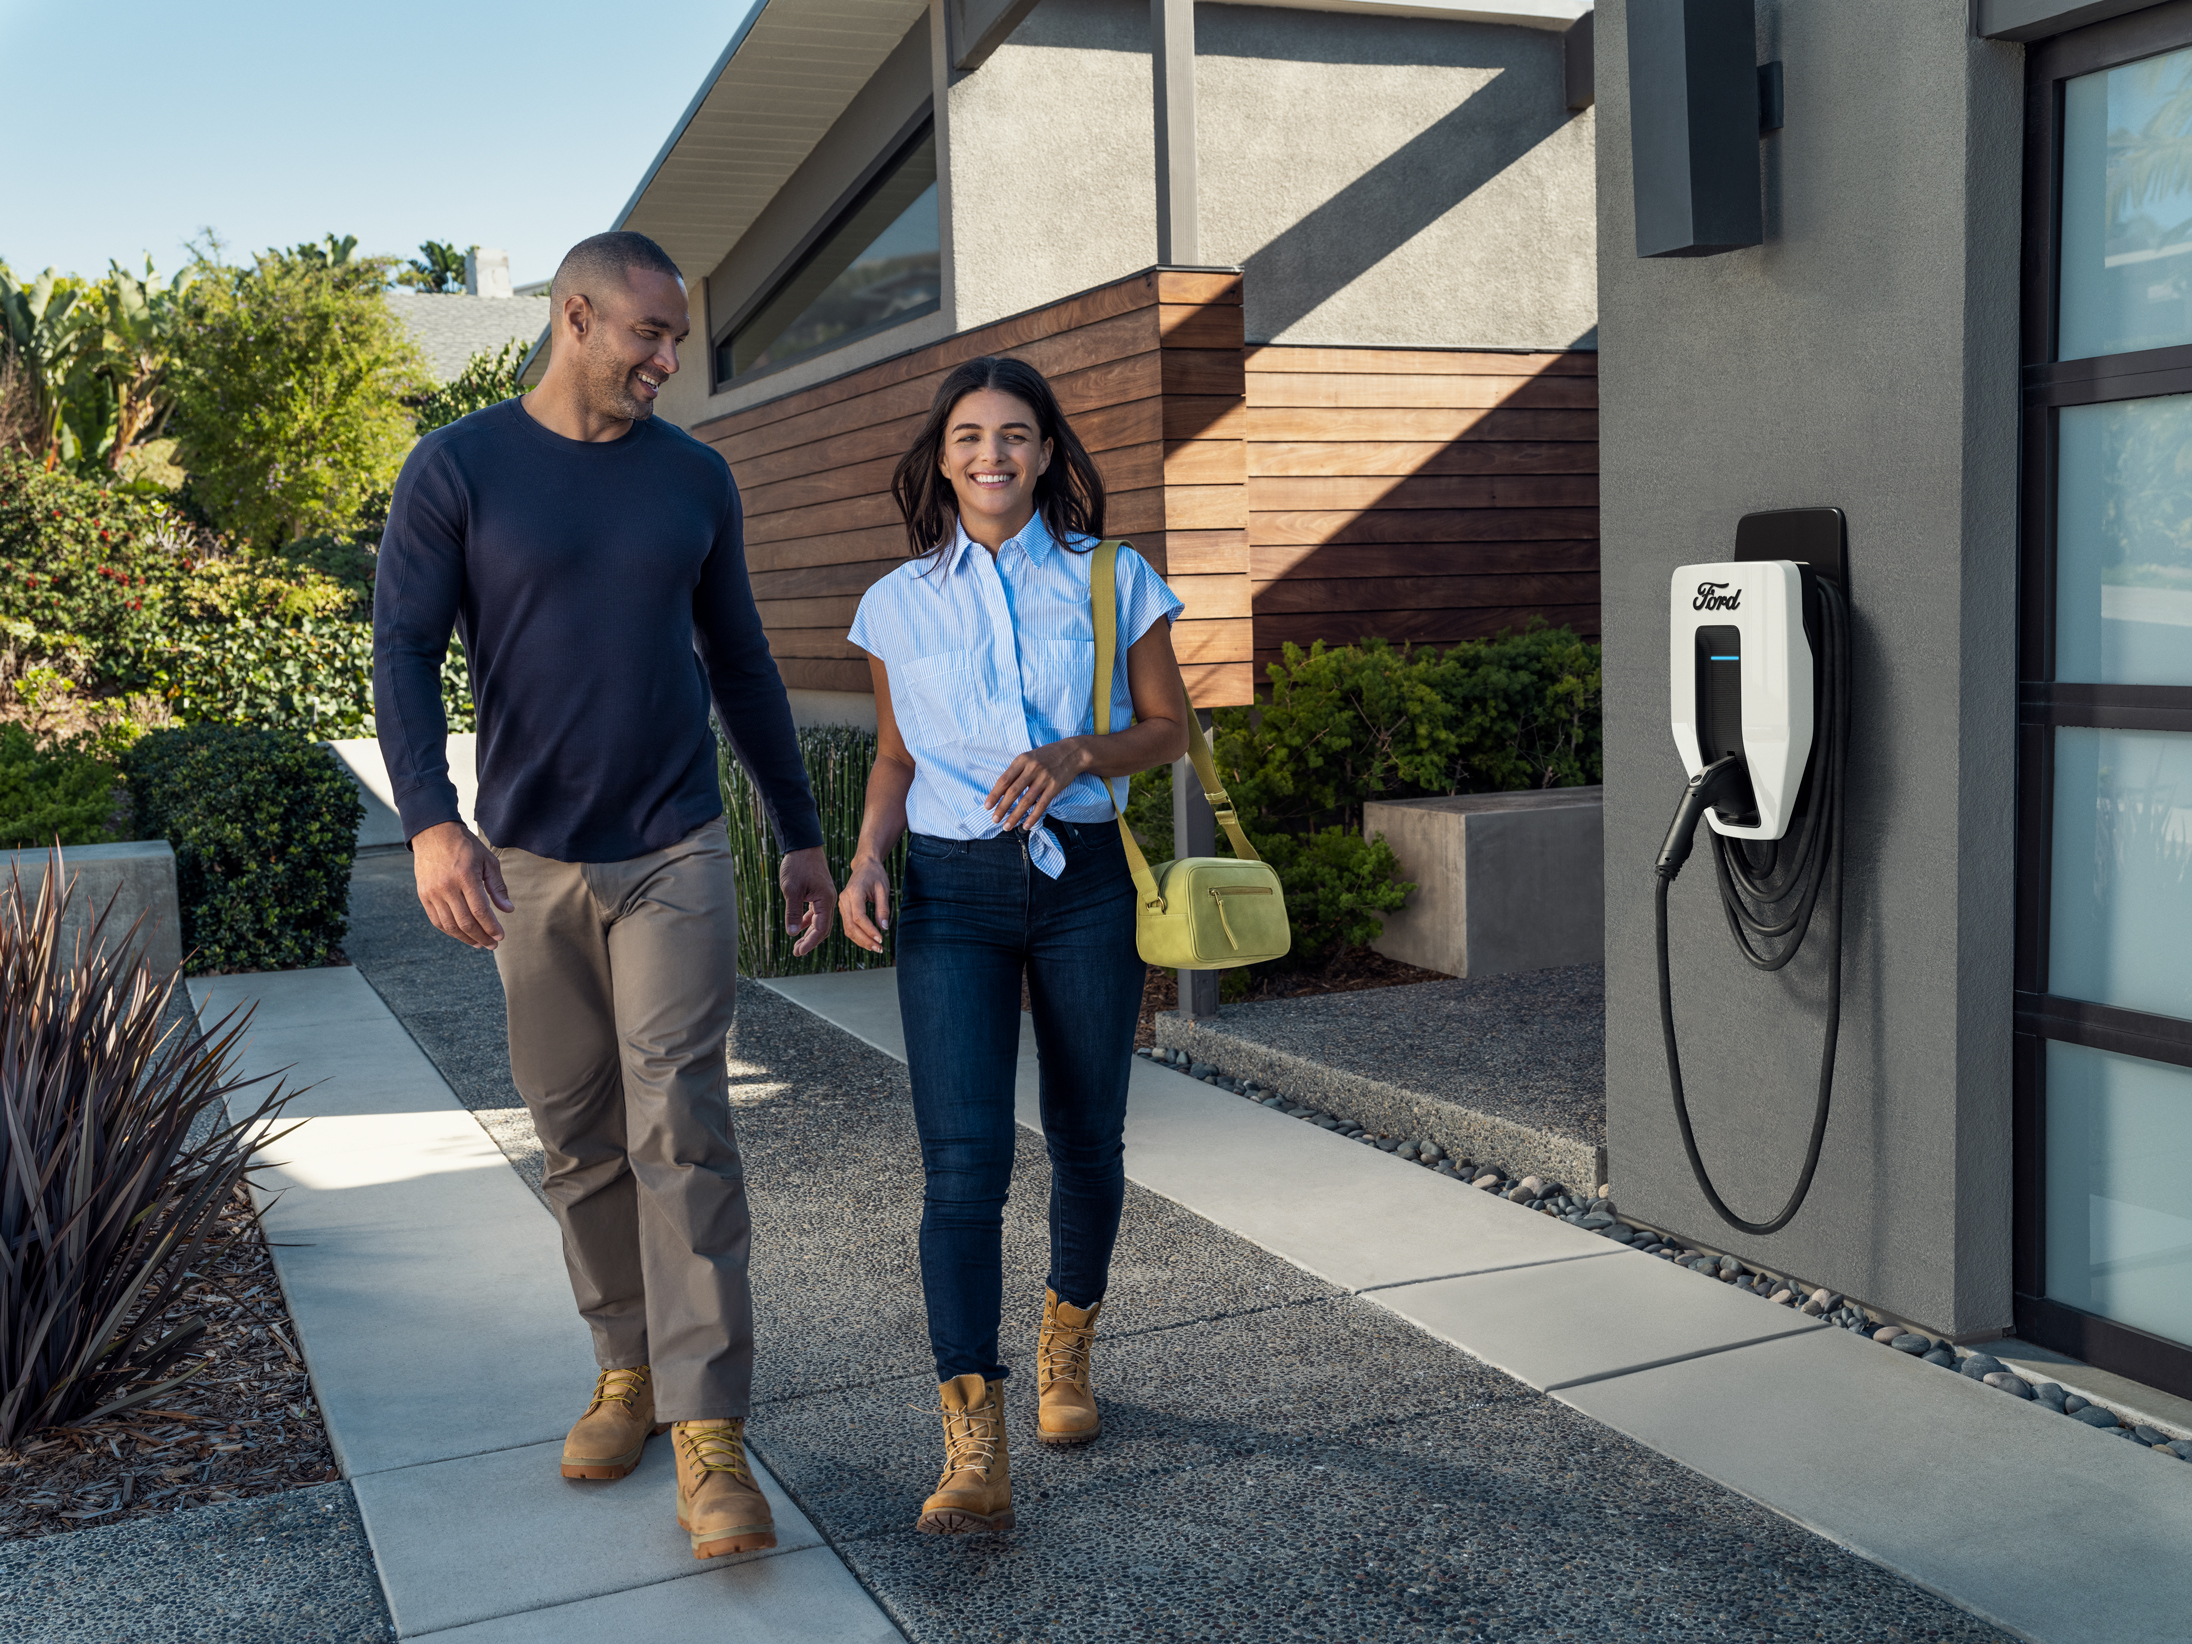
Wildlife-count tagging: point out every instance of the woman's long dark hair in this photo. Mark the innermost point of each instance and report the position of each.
(1069, 494)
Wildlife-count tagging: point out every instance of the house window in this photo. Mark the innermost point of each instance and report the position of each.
(2104, 969)
(879, 262)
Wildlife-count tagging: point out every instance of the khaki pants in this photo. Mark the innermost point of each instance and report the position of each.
(621, 979)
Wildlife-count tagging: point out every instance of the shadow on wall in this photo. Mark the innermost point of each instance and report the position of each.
(1395, 200)
(1420, 496)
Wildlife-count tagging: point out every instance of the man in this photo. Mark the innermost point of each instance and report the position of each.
(593, 560)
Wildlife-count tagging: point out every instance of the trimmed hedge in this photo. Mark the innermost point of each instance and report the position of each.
(264, 825)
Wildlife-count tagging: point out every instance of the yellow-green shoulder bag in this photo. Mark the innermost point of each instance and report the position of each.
(1206, 912)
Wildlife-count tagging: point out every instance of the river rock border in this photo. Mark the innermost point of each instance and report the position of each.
(1594, 1211)
(1384, 1109)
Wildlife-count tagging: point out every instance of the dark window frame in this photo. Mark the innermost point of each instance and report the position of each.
(2048, 386)
(909, 137)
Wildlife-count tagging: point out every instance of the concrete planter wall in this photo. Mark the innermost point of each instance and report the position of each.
(382, 829)
(1504, 881)
(138, 878)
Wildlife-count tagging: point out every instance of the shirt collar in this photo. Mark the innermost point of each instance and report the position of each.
(1035, 541)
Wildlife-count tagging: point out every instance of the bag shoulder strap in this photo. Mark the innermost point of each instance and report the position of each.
(1103, 577)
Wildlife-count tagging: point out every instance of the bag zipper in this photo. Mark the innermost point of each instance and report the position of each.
(1219, 893)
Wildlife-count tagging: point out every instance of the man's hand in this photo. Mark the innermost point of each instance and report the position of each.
(460, 884)
(810, 898)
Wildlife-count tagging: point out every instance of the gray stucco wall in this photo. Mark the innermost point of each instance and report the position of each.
(1053, 160)
(1383, 180)
(1395, 180)
(1865, 358)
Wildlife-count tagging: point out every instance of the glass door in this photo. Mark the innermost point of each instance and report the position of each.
(2104, 960)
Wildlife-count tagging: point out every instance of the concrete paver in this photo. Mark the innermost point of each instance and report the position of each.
(502, 1534)
(798, 1598)
(1368, 1220)
(1571, 1322)
(2038, 1522)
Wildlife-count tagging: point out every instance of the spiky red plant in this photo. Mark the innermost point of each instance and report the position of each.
(117, 1152)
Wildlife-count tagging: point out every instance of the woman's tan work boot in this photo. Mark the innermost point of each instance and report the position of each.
(606, 1441)
(975, 1492)
(718, 1503)
(1065, 1407)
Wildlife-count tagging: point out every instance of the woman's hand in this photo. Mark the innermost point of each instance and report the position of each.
(867, 887)
(1019, 798)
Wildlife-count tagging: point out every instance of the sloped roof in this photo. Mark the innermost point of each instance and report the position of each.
(451, 327)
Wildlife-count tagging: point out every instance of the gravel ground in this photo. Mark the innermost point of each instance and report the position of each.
(1280, 1460)
(1511, 1068)
(284, 1569)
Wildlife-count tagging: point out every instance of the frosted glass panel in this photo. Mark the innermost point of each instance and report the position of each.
(2127, 208)
(2123, 543)
(2119, 1188)
(2120, 923)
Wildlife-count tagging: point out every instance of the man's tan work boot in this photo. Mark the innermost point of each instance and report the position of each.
(1065, 1410)
(718, 1503)
(975, 1492)
(606, 1441)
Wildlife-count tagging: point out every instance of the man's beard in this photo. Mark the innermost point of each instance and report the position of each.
(611, 394)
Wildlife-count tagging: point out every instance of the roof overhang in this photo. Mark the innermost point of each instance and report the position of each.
(788, 73)
(1529, 14)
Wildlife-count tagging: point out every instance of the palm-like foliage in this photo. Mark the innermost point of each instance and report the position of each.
(2153, 163)
(43, 329)
(117, 1153)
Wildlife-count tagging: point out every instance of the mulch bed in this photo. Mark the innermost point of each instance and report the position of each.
(246, 1425)
(1350, 972)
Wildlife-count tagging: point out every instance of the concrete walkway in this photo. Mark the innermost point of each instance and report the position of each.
(430, 1301)
(2049, 1528)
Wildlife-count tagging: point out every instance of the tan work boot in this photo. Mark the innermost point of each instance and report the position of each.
(1065, 1410)
(975, 1492)
(718, 1503)
(606, 1441)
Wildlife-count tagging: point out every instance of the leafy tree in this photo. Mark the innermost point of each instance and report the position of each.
(439, 267)
(487, 379)
(290, 381)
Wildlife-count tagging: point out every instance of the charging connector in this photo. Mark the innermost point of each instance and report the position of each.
(1759, 880)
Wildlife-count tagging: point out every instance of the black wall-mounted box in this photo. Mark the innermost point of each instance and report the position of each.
(1693, 126)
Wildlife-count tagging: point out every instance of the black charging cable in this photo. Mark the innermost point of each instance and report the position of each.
(1795, 871)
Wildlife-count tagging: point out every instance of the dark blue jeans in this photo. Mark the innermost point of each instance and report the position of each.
(973, 916)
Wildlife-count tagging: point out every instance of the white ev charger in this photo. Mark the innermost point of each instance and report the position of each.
(1758, 665)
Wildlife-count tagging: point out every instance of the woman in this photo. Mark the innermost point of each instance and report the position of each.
(983, 650)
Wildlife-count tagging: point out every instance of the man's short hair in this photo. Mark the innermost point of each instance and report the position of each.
(601, 258)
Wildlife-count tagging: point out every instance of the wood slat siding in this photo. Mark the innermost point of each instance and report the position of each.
(1149, 368)
(1419, 495)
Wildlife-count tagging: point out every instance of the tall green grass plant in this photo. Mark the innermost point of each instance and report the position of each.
(837, 758)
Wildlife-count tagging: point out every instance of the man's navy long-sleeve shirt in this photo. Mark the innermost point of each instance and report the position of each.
(601, 593)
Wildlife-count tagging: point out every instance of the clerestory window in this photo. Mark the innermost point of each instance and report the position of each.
(880, 262)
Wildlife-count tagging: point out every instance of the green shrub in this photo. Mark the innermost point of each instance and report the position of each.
(264, 826)
(1342, 725)
(837, 758)
(123, 594)
(63, 793)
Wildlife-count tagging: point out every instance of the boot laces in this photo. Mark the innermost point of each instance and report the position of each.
(717, 1449)
(1062, 1354)
(970, 1439)
(618, 1387)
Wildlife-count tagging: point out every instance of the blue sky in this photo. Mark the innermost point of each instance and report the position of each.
(525, 124)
